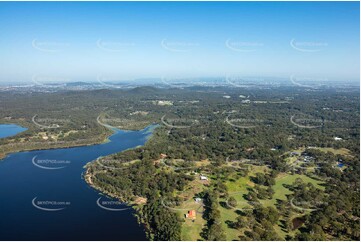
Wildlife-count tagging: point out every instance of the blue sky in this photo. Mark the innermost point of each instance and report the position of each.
(78, 41)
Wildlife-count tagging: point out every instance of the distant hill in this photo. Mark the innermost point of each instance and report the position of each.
(144, 90)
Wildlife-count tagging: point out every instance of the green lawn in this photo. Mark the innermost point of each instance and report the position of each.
(239, 187)
(191, 230)
(342, 151)
(288, 179)
(229, 215)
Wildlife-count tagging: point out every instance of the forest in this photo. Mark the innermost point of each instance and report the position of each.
(279, 163)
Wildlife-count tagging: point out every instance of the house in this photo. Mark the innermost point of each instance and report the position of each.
(295, 153)
(191, 214)
(163, 156)
(198, 200)
(203, 178)
(337, 138)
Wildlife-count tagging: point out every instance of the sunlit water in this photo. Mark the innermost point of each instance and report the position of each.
(56, 203)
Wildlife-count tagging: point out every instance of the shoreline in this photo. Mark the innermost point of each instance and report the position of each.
(133, 205)
(87, 175)
(62, 146)
(104, 140)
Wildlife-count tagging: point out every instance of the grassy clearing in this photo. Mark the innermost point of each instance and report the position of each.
(226, 216)
(239, 188)
(287, 179)
(281, 191)
(342, 151)
(191, 230)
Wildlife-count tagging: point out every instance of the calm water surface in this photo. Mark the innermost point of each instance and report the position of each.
(44, 197)
(7, 130)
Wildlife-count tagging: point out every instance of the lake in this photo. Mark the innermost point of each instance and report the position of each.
(44, 196)
(7, 130)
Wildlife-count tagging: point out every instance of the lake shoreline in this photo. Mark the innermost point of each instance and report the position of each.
(62, 146)
(133, 205)
(87, 175)
(114, 143)
(67, 145)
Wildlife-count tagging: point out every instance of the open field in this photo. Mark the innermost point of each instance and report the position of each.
(239, 188)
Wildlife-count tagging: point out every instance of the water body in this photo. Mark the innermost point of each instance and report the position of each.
(57, 204)
(7, 130)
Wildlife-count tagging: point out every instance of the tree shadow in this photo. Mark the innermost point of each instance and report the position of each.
(224, 205)
(230, 224)
(283, 226)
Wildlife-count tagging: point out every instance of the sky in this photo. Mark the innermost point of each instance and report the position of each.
(85, 41)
